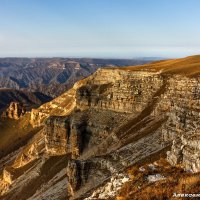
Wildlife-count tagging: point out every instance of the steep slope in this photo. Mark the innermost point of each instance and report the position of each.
(107, 123)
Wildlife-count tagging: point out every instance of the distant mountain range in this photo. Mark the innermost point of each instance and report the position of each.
(53, 76)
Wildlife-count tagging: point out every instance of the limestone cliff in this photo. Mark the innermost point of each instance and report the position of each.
(184, 125)
(106, 123)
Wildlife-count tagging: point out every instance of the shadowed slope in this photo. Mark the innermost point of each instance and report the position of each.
(28, 99)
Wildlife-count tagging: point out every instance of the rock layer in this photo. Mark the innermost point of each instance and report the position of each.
(184, 125)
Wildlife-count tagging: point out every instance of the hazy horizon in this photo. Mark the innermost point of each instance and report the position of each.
(79, 57)
(99, 29)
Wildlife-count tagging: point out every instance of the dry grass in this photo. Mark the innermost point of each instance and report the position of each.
(189, 66)
(177, 181)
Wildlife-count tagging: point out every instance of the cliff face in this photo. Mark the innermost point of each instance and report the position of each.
(119, 91)
(106, 123)
(60, 106)
(107, 89)
(62, 137)
(56, 135)
(185, 123)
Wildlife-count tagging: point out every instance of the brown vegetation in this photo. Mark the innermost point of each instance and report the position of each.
(176, 181)
(187, 66)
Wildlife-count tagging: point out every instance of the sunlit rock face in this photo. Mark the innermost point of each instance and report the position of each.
(118, 90)
(14, 111)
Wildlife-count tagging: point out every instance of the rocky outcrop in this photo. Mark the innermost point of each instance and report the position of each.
(77, 174)
(4, 187)
(7, 176)
(118, 90)
(62, 137)
(61, 106)
(184, 124)
(56, 134)
(28, 99)
(14, 111)
(86, 175)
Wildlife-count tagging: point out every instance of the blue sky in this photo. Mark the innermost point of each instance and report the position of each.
(99, 28)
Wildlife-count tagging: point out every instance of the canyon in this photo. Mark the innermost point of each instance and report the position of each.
(81, 144)
(53, 76)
